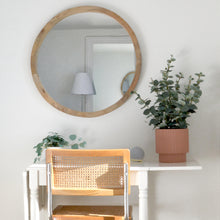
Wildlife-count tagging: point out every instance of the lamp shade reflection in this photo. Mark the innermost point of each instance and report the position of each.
(83, 85)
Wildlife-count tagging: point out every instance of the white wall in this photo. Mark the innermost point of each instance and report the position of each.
(188, 29)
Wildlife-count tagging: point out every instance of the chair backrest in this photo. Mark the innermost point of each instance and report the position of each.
(89, 172)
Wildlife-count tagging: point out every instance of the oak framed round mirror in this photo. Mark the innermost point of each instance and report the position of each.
(80, 57)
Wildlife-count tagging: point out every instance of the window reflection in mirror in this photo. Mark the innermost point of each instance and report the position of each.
(109, 59)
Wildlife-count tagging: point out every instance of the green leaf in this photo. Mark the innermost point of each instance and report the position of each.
(75, 146)
(198, 93)
(152, 110)
(138, 96)
(72, 137)
(184, 108)
(39, 151)
(147, 102)
(153, 121)
(182, 124)
(162, 125)
(170, 82)
(165, 95)
(39, 145)
(155, 82)
(83, 144)
(191, 111)
(192, 106)
(146, 111)
(196, 100)
(161, 108)
(140, 102)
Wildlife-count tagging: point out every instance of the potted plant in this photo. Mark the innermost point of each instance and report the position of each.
(168, 113)
(56, 140)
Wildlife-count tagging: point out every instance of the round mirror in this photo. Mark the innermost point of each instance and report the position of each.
(79, 59)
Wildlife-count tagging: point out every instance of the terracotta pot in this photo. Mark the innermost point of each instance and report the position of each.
(172, 145)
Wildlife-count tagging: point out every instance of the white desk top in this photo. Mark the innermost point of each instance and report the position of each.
(157, 166)
(153, 165)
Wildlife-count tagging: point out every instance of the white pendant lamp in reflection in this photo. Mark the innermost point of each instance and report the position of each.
(83, 85)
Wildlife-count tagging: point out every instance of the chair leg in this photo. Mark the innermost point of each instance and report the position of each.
(126, 203)
(49, 192)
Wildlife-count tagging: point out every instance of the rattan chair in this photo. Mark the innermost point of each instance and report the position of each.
(88, 173)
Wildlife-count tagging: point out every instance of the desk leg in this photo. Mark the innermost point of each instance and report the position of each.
(34, 194)
(26, 197)
(143, 195)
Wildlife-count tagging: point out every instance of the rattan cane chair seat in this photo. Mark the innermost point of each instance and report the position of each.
(90, 212)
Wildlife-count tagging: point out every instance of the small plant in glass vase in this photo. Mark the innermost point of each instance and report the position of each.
(56, 140)
(174, 103)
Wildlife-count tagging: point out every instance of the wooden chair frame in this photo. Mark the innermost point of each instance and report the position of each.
(124, 153)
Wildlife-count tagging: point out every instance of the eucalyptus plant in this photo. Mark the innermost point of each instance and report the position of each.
(174, 102)
(56, 140)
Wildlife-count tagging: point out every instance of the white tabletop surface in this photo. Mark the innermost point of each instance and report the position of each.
(152, 165)
(155, 165)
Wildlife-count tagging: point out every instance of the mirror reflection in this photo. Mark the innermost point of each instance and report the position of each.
(83, 59)
(126, 82)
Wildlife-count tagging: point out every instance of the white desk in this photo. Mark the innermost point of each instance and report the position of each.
(35, 176)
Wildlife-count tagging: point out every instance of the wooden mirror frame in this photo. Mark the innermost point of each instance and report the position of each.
(50, 25)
